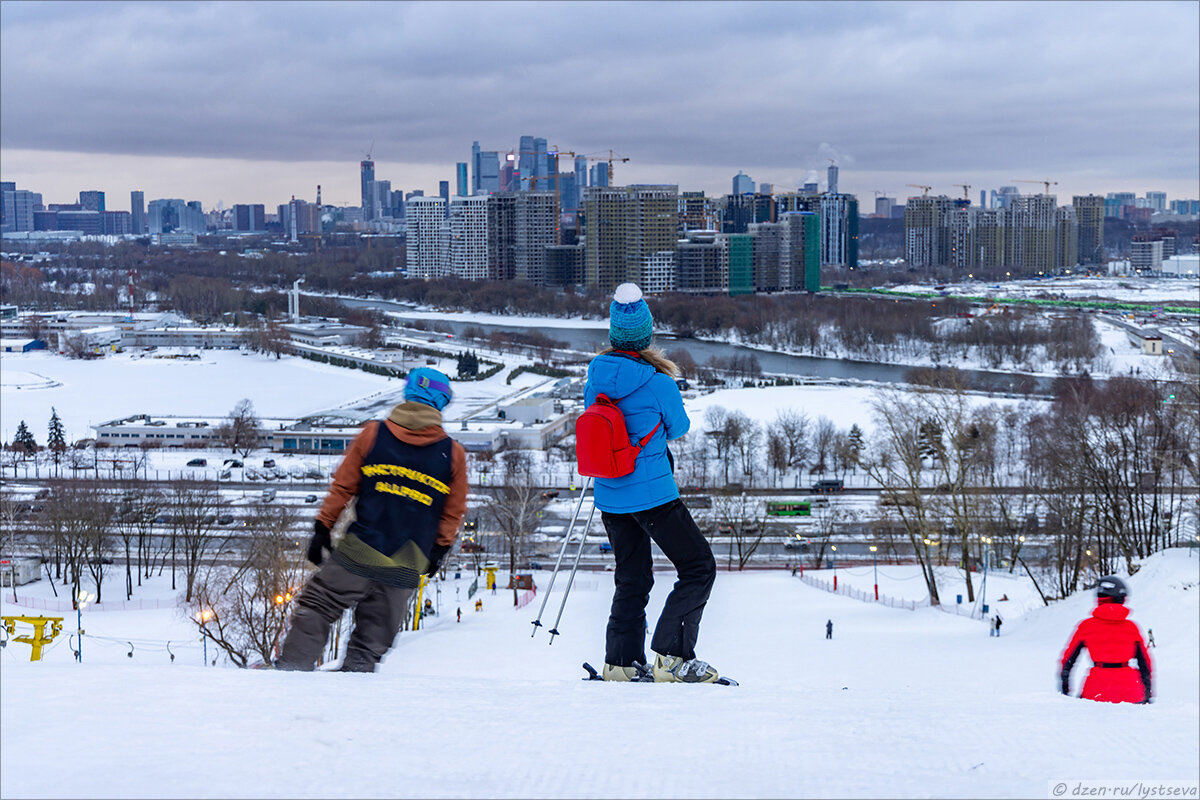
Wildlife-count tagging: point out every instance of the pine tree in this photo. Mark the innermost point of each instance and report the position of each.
(24, 441)
(56, 440)
(930, 440)
(856, 442)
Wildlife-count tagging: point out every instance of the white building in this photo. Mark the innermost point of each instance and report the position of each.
(1146, 256)
(468, 250)
(1188, 265)
(425, 244)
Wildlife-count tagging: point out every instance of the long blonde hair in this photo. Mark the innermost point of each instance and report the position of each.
(654, 356)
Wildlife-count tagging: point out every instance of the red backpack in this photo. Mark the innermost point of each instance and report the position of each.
(602, 443)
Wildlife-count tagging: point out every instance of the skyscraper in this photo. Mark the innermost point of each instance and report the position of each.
(599, 175)
(460, 172)
(581, 179)
(367, 174)
(137, 210)
(1089, 214)
(444, 193)
(1157, 201)
(5, 188)
(475, 151)
(742, 184)
(489, 171)
(249, 218)
(525, 159)
(833, 178)
(91, 201)
(502, 236)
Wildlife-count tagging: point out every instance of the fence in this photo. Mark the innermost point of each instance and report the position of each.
(866, 597)
(107, 605)
(526, 598)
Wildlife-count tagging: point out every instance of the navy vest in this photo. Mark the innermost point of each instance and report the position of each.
(402, 490)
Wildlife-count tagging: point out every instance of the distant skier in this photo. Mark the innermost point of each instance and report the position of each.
(1111, 641)
(408, 481)
(829, 629)
(644, 505)
(1150, 636)
(999, 622)
(459, 614)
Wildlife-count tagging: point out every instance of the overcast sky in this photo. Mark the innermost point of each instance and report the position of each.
(254, 102)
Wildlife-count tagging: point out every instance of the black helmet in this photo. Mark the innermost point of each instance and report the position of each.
(1112, 587)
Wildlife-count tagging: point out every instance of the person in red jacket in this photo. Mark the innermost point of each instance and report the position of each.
(1111, 641)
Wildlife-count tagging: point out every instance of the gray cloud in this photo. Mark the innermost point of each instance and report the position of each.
(1106, 90)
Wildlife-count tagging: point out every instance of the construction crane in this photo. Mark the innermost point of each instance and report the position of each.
(1047, 184)
(370, 150)
(922, 187)
(966, 187)
(610, 159)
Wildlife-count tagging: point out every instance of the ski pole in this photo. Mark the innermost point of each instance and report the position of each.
(574, 567)
(537, 623)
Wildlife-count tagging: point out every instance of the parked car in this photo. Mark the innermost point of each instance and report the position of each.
(699, 501)
(268, 495)
(550, 494)
(268, 462)
(819, 501)
(606, 547)
(252, 474)
(232, 462)
(164, 519)
(198, 462)
(225, 519)
(795, 544)
(831, 485)
(311, 498)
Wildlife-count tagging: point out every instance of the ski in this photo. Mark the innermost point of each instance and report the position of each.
(592, 675)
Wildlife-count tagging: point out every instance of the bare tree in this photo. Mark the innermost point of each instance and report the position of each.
(243, 609)
(824, 436)
(515, 506)
(791, 427)
(743, 519)
(241, 429)
(193, 508)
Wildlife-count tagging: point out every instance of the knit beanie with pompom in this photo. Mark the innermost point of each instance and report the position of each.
(629, 321)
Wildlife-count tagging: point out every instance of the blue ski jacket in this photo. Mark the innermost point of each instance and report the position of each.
(646, 397)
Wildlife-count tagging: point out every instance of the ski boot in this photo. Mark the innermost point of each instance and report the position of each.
(636, 673)
(673, 669)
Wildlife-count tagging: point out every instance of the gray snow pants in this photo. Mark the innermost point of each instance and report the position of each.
(378, 611)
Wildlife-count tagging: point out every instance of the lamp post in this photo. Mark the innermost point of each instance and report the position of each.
(983, 589)
(833, 563)
(82, 598)
(875, 564)
(203, 617)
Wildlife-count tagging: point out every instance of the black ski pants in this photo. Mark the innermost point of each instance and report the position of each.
(378, 612)
(672, 528)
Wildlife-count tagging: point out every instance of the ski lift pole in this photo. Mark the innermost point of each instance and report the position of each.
(574, 567)
(537, 623)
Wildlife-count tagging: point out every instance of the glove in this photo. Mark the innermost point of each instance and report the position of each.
(435, 558)
(320, 539)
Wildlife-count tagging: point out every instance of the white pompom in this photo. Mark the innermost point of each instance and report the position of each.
(627, 293)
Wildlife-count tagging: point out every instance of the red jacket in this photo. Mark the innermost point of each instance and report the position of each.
(1111, 641)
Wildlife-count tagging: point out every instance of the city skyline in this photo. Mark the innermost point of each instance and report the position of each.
(896, 93)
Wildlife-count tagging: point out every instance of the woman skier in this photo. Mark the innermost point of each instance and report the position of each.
(645, 505)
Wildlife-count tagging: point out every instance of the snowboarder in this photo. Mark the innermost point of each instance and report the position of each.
(828, 629)
(408, 482)
(1111, 641)
(645, 505)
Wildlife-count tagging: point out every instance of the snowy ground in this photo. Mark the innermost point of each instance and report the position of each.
(899, 703)
(1081, 287)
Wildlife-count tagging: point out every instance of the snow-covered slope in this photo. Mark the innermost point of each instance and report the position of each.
(899, 703)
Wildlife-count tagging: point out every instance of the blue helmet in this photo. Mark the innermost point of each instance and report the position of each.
(428, 386)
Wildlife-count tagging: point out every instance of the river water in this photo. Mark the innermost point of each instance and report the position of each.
(589, 340)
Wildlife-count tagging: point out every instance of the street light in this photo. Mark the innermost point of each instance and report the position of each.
(82, 598)
(203, 617)
(833, 563)
(983, 590)
(875, 562)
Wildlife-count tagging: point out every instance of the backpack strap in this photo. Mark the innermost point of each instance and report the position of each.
(628, 353)
(646, 438)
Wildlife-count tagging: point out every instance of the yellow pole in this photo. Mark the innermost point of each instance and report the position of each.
(420, 594)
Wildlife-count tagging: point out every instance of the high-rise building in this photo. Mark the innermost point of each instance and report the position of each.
(460, 173)
(525, 159)
(536, 228)
(502, 236)
(91, 201)
(1157, 201)
(770, 256)
(367, 175)
(599, 174)
(88, 223)
(19, 205)
(5, 188)
(489, 171)
(468, 251)
(802, 270)
(1033, 223)
(137, 211)
(581, 179)
(883, 207)
(249, 218)
(380, 195)
(1145, 253)
(425, 243)
(541, 158)
(173, 215)
(742, 184)
(1089, 213)
(1003, 197)
(700, 263)
(695, 213)
(1115, 204)
(564, 265)
(739, 255)
(475, 153)
(833, 179)
(444, 193)
(925, 241)
(839, 230)
(1066, 238)
(631, 236)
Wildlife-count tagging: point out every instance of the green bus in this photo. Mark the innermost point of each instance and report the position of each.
(779, 508)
